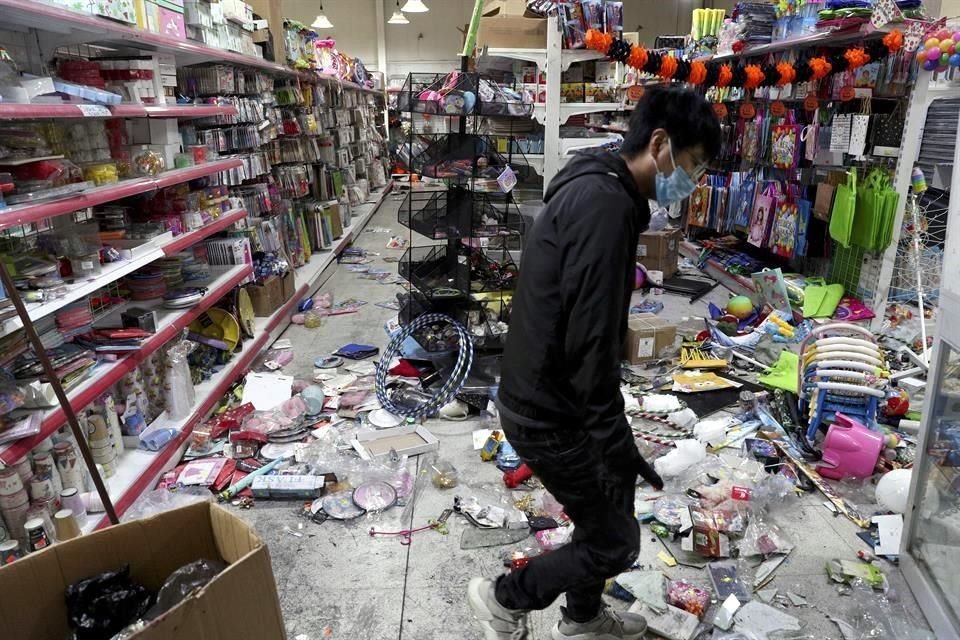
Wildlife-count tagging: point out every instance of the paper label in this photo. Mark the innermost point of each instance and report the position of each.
(641, 251)
(645, 347)
(94, 111)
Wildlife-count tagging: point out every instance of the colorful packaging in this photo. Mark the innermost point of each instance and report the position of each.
(593, 14)
(613, 21)
(574, 29)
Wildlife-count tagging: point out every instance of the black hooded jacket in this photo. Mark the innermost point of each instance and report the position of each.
(561, 366)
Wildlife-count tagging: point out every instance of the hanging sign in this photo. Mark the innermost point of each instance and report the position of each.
(747, 110)
(811, 103)
(634, 93)
(778, 109)
(720, 110)
(848, 93)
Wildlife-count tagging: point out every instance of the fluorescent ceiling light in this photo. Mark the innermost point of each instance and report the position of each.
(322, 22)
(415, 6)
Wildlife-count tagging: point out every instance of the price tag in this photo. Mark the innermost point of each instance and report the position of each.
(747, 110)
(720, 110)
(94, 111)
(778, 109)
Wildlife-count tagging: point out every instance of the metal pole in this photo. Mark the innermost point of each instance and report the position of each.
(54, 381)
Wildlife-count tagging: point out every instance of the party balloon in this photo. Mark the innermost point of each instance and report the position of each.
(933, 55)
(952, 50)
(941, 68)
(921, 56)
(929, 65)
(956, 36)
(944, 59)
(932, 43)
(946, 44)
(955, 60)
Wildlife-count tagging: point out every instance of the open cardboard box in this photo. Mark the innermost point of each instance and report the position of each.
(507, 24)
(239, 604)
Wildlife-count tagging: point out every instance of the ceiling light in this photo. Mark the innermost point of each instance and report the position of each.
(322, 22)
(398, 17)
(415, 6)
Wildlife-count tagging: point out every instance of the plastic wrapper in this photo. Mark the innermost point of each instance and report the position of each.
(553, 539)
(689, 597)
(686, 454)
(159, 500)
(763, 538)
(102, 605)
(182, 583)
(180, 392)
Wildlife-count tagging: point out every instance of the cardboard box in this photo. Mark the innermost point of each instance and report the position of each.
(512, 32)
(594, 92)
(272, 12)
(647, 336)
(240, 603)
(659, 250)
(271, 295)
(507, 8)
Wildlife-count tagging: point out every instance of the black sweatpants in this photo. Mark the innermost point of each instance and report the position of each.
(600, 502)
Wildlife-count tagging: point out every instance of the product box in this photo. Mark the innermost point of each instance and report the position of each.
(605, 71)
(572, 92)
(507, 24)
(594, 92)
(271, 295)
(659, 250)
(241, 603)
(573, 74)
(122, 10)
(164, 131)
(647, 336)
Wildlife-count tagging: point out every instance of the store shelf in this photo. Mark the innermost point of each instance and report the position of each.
(539, 56)
(28, 213)
(68, 27)
(116, 270)
(836, 37)
(737, 284)
(43, 111)
(570, 109)
(139, 471)
(105, 375)
(186, 240)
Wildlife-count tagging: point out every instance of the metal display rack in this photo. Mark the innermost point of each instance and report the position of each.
(471, 274)
(49, 29)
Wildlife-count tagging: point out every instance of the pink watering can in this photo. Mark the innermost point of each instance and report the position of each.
(849, 450)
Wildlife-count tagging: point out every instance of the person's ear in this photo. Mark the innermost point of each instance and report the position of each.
(658, 142)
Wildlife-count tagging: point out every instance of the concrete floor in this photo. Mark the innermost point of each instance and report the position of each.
(335, 581)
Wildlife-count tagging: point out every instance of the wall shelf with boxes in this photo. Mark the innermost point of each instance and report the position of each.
(154, 208)
(560, 93)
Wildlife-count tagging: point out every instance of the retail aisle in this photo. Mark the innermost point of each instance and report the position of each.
(335, 581)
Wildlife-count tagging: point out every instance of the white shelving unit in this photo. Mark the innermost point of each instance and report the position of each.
(552, 114)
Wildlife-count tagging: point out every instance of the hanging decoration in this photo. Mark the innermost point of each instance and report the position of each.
(753, 76)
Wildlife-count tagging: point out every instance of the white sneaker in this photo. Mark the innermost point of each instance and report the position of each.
(609, 625)
(497, 622)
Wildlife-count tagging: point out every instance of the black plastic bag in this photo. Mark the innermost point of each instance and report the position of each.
(100, 606)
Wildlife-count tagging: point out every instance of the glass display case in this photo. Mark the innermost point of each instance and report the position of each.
(930, 554)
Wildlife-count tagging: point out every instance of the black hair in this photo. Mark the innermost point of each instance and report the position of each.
(684, 114)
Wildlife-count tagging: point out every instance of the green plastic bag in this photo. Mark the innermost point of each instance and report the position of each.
(844, 210)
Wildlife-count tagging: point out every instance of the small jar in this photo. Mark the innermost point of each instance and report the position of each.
(183, 160)
(199, 153)
(148, 163)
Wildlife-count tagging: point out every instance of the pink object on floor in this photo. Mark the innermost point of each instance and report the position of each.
(850, 450)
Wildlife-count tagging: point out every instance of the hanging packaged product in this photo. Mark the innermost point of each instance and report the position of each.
(844, 210)
(761, 220)
(785, 144)
(783, 231)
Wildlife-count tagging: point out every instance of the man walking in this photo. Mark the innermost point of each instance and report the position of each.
(559, 399)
